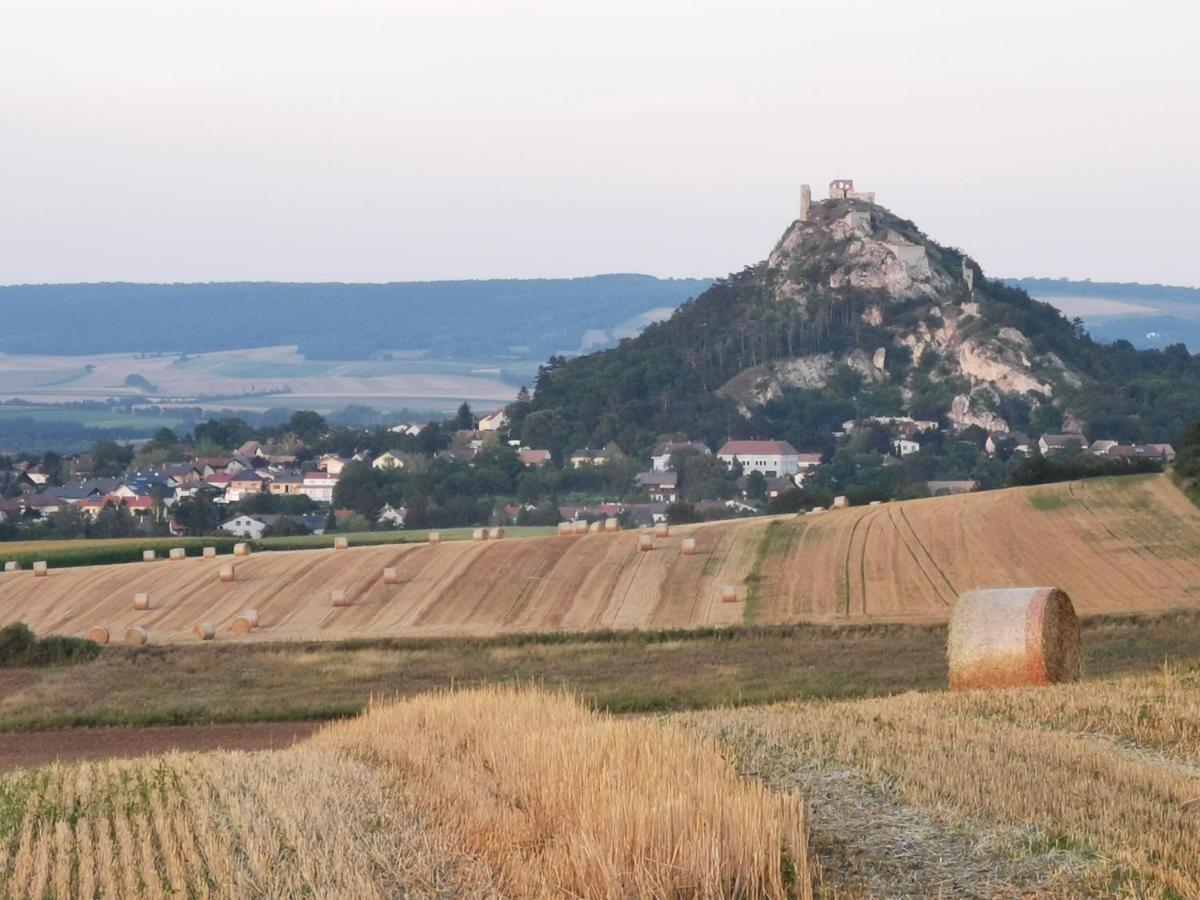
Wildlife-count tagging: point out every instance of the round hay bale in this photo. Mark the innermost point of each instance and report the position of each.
(596, 527)
(579, 526)
(611, 525)
(841, 501)
(136, 636)
(98, 633)
(141, 602)
(205, 631)
(1013, 637)
(227, 573)
(178, 553)
(662, 530)
(495, 534)
(729, 593)
(479, 534)
(149, 556)
(338, 598)
(564, 527)
(241, 549)
(391, 575)
(251, 615)
(12, 566)
(40, 569)
(209, 552)
(340, 543)
(688, 547)
(645, 542)
(435, 537)
(243, 624)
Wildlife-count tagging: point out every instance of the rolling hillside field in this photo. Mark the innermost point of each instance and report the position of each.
(1115, 545)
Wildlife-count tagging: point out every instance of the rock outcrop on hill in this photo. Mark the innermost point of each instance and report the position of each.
(856, 312)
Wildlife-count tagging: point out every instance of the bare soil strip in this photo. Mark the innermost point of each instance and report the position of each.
(35, 748)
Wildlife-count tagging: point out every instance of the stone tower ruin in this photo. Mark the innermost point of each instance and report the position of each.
(805, 201)
(843, 189)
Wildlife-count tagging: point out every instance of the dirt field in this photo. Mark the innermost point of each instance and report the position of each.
(1114, 544)
(36, 748)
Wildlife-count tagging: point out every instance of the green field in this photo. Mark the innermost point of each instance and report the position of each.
(618, 671)
(84, 552)
(92, 418)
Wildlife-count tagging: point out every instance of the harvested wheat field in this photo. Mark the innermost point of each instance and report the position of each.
(1116, 544)
(499, 792)
(1083, 790)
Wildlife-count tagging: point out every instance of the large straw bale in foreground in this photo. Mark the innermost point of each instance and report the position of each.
(479, 534)
(205, 631)
(12, 566)
(209, 553)
(40, 569)
(177, 553)
(612, 525)
(149, 556)
(338, 597)
(645, 542)
(227, 573)
(141, 602)
(662, 530)
(98, 633)
(688, 546)
(579, 526)
(340, 543)
(136, 636)
(1013, 637)
(435, 537)
(241, 549)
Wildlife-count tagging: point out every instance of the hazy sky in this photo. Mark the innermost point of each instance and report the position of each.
(172, 140)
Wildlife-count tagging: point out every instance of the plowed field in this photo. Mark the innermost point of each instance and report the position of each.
(1114, 544)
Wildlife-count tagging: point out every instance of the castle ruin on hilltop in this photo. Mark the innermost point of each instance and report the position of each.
(839, 189)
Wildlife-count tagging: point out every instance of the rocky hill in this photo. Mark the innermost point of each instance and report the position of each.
(857, 312)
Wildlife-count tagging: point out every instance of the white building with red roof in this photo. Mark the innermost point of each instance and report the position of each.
(771, 458)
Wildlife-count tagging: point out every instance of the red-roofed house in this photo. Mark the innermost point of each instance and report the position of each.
(534, 458)
(318, 486)
(772, 458)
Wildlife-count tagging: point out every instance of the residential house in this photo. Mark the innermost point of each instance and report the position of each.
(143, 509)
(247, 526)
(217, 465)
(905, 446)
(318, 486)
(774, 486)
(243, 484)
(412, 429)
(392, 459)
(285, 483)
(1057, 443)
(10, 510)
(392, 516)
(496, 421)
(659, 486)
(660, 456)
(772, 458)
(332, 463)
(252, 450)
(906, 425)
(1013, 441)
(588, 457)
(42, 504)
(941, 488)
(1162, 453)
(533, 459)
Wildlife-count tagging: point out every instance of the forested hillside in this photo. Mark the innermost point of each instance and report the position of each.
(857, 313)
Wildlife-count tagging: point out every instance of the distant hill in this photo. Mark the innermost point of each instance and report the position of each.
(531, 318)
(857, 313)
(1146, 315)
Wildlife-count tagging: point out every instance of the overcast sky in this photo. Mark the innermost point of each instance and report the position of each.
(172, 140)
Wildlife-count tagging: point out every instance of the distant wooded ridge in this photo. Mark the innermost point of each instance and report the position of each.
(523, 318)
(515, 318)
(1115, 290)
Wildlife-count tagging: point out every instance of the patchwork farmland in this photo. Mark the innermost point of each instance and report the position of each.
(1124, 544)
